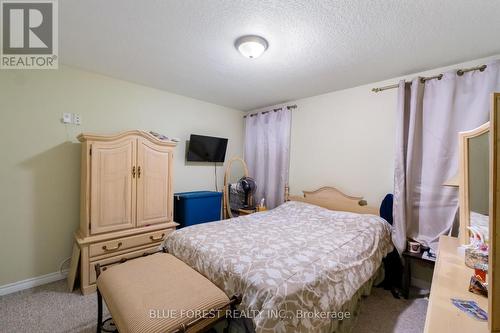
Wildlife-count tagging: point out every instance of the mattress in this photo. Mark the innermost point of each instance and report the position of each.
(296, 265)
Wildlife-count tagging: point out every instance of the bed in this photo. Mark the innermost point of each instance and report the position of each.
(298, 266)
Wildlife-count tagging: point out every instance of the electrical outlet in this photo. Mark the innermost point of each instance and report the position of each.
(66, 118)
(77, 120)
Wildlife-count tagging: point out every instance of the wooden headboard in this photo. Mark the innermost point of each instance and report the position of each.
(331, 198)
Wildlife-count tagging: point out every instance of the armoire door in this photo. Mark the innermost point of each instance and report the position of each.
(113, 192)
(153, 183)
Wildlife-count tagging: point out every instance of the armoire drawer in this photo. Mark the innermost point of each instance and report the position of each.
(120, 244)
(129, 255)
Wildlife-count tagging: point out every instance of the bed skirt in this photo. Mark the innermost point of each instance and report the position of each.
(245, 325)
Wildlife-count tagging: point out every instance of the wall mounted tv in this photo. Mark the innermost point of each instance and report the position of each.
(206, 149)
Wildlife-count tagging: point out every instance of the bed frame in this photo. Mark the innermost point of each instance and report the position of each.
(331, 198)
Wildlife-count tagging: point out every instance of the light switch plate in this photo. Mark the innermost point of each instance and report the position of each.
(66, 118)
(77, 120)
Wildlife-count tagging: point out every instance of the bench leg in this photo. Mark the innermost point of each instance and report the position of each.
(226, 329)
(235, 301)
(99, 311)
(407, 278)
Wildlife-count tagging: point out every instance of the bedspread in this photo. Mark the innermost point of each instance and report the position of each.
(295, 265)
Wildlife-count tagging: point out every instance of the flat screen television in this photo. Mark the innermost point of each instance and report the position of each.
(206, 149)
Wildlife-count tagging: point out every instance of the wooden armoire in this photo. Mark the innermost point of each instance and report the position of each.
(126, 200)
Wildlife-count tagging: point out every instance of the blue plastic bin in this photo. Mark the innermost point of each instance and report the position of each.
(197, 207)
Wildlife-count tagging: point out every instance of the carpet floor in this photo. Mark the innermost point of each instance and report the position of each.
(50, 308)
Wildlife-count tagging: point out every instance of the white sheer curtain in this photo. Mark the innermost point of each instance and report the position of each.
(267, 153)
(430, 115)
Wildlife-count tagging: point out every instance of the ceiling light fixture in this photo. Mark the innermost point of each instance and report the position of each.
(251, 46)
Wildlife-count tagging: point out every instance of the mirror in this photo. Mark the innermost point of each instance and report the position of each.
(474, 182)
(479, 182)
(236, 169)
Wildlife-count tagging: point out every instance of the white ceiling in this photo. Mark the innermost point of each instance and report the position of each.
(186, 46)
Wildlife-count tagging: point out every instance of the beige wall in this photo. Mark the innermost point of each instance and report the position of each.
(40, 170)
(346, 139)
(343, 139)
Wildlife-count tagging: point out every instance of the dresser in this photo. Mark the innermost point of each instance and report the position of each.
(451, 280)
(126, 200)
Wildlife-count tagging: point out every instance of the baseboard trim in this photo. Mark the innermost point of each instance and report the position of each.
(32, 282)
(420, 284)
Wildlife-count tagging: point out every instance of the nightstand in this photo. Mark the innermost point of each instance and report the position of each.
(409, 257)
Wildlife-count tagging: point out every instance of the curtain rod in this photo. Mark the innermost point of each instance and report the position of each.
(460, 72)
(289, 107)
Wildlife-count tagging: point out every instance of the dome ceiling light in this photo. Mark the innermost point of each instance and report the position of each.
(251, 46)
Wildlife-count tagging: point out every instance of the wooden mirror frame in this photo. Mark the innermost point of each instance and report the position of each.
(227, 177)
(463, 180)
(494, 239)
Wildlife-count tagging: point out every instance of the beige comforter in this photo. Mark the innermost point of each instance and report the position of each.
(295, 265)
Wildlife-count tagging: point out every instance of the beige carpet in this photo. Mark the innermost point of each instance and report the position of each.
(382, 313)
(50, 308)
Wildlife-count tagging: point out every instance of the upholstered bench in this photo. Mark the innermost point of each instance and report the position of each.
(159, 293)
